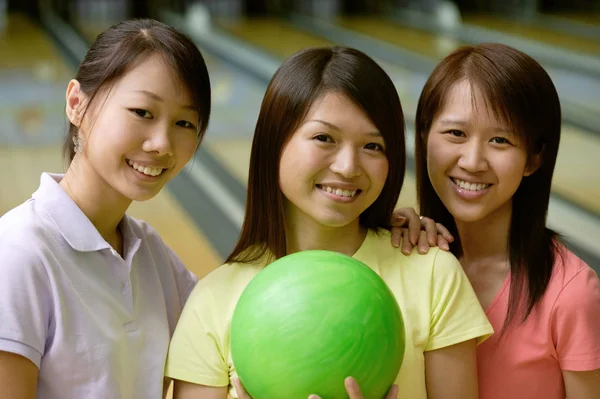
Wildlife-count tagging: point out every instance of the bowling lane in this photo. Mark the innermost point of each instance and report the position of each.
(277, 37)
(589, 19)
(33, 79)
(272, 35)
(543, 35)
(574, 179)
(431, 45)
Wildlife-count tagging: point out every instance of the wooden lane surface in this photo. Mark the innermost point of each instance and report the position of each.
(543, 35)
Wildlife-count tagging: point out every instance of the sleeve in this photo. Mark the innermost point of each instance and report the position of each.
(456, 314)
(576, 323)
(185, 279)
(196, 349)
(25, 302)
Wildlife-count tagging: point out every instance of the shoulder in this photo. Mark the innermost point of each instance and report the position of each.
(434, 261)
(574, 283)
(231, 276)
(220, 289)
(27, 236)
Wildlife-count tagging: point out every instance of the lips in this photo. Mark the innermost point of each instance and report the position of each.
(151, 171)
(342, 192)
(470, 186)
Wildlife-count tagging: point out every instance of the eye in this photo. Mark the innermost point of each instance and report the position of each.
(374, 147)
(455, 133)
(500, 140)
(186, 124)
(324, 138)
(142, 113)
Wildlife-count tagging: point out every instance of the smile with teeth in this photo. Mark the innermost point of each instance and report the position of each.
(148, 171)
(470, 186)
(338, 191)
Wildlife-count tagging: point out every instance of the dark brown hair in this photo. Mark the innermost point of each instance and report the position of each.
(123, 45)
(520, 93)
(298, 82)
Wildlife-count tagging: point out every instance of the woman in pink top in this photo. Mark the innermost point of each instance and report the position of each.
(487, 134)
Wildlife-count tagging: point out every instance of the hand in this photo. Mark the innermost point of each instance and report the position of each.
(354, 390)
(351, 387)
(239, 389)
(413, 230)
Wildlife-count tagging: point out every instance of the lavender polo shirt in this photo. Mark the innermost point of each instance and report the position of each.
(96, 325)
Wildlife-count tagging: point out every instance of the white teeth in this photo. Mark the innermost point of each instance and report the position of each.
(470, 186)
(339, 191)
(145, 169)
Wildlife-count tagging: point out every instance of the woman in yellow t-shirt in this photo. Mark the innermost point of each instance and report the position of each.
(326, 170)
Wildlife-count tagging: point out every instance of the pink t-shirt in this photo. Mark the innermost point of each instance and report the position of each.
(562, 333)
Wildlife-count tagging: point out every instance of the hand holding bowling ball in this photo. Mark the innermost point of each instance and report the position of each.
(351, 387)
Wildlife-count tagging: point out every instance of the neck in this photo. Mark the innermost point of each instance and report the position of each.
(485, 242)
(305, 233)
(103, 206)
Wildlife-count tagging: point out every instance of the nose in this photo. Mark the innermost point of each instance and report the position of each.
(473, 157)
(346, 163)
(159, 141)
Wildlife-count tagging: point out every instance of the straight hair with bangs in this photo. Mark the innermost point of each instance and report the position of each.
(298, 82)
(520, 93)
(119, 48)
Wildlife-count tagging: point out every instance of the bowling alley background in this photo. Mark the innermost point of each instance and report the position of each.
(200, 213)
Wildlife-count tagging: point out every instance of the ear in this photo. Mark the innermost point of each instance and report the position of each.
(76, 102)
(535, 161)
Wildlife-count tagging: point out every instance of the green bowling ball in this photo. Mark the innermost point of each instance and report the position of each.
(311, 319)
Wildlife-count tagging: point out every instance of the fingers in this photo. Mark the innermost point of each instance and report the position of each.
(444, 232)
(431, 228)
(406, 244)
(239, 388)
(423, 245)
(396, 236)
(352, 388)
(414, 228)
(442, 243)
(398, 220)
(393, 392)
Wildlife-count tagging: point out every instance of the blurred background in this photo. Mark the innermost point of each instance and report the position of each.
(201, 211)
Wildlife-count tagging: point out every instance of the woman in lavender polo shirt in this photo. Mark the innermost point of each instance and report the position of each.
(89, 296)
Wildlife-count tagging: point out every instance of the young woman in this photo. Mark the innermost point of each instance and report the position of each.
(89, 297)
(326, 169)
(487, 135)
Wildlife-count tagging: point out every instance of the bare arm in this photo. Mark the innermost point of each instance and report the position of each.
(582, 384)
(18, 377)
(451, 372)
(187, 390)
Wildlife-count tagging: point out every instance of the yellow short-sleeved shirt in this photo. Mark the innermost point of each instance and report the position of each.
(437, 301)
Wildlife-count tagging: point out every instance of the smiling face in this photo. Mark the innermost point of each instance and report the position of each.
(334, 166)
(475, 163)
(140, 133)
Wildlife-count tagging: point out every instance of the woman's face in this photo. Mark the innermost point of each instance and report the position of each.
(334, 166)
(140, 134)
(475, 162)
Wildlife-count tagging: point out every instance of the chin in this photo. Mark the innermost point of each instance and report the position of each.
(335, 220)
(467, 216)
(139, 196)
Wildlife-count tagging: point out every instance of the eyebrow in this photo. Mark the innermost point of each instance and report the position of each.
(334, 127)
(460, 122)
(159, 98)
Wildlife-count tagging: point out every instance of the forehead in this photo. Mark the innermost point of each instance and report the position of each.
(341, 111)
(153, 74)
(467, 102)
